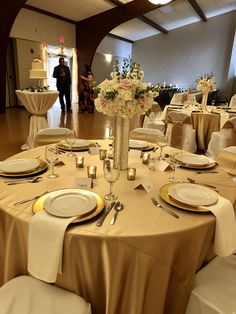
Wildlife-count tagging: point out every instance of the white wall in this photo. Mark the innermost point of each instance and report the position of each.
(185, 53)
(42, 28)
(119, 50)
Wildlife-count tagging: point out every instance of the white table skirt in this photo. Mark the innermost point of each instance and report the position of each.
(37, 104)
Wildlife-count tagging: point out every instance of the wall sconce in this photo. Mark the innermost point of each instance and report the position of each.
(162, 2)
(108, 57)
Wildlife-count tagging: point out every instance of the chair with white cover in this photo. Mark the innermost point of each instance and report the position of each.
(224, 138)
(226, 158)
(153, 118)
(146, 134)
(214, 288)
(180, 131)
(232, 103)
(51, 135)
(28, 295)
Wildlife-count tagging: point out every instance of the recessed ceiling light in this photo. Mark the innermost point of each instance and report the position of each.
(159, 1)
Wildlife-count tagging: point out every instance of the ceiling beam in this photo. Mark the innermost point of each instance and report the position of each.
(198, 10)
(59, 17)
(143, 18)
(120, 38)
(161, 29)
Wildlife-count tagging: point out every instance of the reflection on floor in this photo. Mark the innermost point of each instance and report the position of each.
(15, 125)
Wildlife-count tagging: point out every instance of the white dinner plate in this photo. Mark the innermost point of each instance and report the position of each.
(193, 194)
(138, 144)
(19, 165)
(192, 159)
(77, 144)
(69, 203)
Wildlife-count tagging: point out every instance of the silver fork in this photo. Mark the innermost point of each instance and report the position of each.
(30, 199)
(169, 211)
(34, 180)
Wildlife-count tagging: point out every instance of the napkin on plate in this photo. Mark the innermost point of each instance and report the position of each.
(45, 245)
(225, 230)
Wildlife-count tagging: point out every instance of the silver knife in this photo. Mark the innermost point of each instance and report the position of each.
(166, 209)
(106, 212)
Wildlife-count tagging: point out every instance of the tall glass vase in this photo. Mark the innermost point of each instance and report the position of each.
(204, 101)
(121, 143)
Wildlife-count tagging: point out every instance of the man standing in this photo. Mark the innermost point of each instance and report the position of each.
(62, 74)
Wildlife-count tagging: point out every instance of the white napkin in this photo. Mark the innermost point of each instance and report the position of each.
(225, 230)
(45, 245)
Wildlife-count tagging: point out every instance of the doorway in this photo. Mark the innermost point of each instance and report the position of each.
(53, 61)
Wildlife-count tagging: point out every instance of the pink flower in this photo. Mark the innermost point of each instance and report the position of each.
(126, 83)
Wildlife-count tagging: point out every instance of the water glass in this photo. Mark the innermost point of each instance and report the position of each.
(162, 142)
(70, 139)
(111, 174)
(175, 163)
(51, 156)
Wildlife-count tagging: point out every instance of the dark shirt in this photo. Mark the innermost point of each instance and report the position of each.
(62, 74)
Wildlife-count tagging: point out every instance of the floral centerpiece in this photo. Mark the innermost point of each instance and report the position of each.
(123, 96)
(37, 89)
(206, 83)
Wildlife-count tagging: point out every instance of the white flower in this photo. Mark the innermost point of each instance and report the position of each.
(125, 94)
(206, 83)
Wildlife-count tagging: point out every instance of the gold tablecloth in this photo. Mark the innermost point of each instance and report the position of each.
(37, 104)
(144, 264)
(203, 122)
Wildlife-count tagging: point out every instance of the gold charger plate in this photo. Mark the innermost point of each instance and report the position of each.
(75, 149)
(209, 166)
(38, 206)
(150, 146)
(42, 166)
(191, 166)
(166, 197)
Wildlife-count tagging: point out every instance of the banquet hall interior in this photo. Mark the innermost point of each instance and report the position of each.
(174, 256)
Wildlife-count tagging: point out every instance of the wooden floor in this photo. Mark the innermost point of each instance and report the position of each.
(14, 126)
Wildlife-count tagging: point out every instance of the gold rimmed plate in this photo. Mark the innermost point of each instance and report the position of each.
(202, 163)
(41, 168)
(38, 205)
(164, 194)
(84, 145)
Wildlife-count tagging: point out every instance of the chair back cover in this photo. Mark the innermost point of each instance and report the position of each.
(177, 119)
(232, 103)
(28, 295)
(51, 135)
(146, 134)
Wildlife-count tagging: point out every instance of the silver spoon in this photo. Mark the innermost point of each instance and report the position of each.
(34, 180)
(118, 207)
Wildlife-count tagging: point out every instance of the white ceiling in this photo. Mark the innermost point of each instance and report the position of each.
(170, 16)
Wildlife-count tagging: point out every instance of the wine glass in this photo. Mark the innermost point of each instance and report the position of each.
(162, 142)
(175, 163)
(51, 156)
(70, 140)
(111, 174)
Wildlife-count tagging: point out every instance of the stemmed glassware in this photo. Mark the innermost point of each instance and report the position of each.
(111, 174)
(51, 156)
(175, 163)
(70, 140)
(162, 142)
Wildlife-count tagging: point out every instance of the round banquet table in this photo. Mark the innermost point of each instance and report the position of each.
(205, 123)
(144, 264)
(37, 104)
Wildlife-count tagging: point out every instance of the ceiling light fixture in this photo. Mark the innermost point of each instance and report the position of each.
(159, 1)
